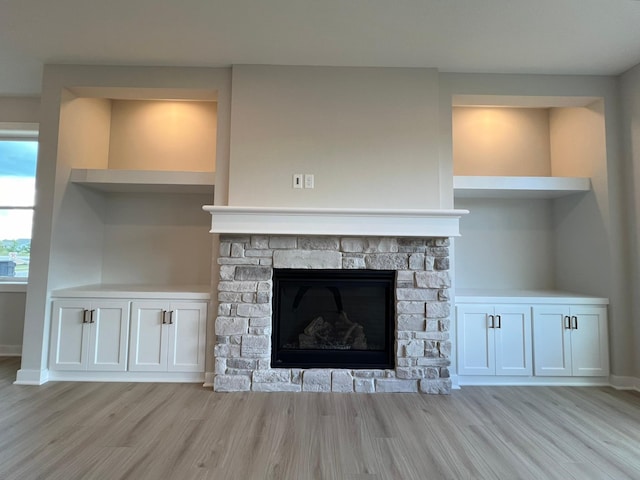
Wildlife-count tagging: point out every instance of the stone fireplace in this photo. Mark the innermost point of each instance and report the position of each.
(421, 343)
(412, 245)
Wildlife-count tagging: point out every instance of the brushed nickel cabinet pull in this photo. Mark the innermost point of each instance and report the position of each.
(91, 312)
(492, 324)
(575, 322)
(164, 316)
(568, 320)
(170, 317)
(84, 315)
(499, 317)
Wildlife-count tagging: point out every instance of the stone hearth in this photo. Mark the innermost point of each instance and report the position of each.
(422, 301)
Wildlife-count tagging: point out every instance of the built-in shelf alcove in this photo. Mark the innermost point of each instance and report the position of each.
(532, 172)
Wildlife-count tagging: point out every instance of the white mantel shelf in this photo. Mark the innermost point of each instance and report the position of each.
(335, 221)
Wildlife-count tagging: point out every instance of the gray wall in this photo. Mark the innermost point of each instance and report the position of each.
(630, 105)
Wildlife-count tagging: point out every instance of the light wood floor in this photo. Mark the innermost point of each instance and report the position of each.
(166, 431)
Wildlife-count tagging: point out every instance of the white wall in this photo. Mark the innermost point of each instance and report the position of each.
(505, 244)
(151, 239)
(161, 135)
(369, 135)
(630, 102)
(501, 141)
(12, 303)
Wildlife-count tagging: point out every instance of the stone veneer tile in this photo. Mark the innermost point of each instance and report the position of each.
(243, 327)
(316, 259)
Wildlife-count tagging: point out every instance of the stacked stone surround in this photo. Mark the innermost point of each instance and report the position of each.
(243, 325)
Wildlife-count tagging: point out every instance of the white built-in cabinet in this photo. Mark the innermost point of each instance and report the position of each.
(129, 333)
(167, 336)
(570, 340)
(131, 260)
(530, 338)
(532, 173)
(494, 339)
(89, 335)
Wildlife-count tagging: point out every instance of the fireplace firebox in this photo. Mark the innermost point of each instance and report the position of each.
(333, 318)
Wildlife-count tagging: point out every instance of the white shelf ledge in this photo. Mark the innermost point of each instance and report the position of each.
(182, 292)
(335, 221)
(485, 295)
(144, 181)
(518, 187)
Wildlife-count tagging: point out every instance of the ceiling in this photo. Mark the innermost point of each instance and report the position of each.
(497, 36)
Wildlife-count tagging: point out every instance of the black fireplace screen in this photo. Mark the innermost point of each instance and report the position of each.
(333, 318)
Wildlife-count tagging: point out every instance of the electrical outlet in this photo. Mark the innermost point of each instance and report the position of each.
(308, 180)
(297, 180)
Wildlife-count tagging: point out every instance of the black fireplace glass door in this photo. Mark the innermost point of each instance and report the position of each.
(333, 318)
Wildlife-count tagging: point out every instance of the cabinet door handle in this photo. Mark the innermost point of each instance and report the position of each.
(84, 315)
(492, 324)
(164, 316)
(91, 312)
(499, 317)
(170, 317)
(568, 320)
(575, 322)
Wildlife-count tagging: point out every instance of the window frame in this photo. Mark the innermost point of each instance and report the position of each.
(18, 132)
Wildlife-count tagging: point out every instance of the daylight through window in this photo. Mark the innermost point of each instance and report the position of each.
(17, 197)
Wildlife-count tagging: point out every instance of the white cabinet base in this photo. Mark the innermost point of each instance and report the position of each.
(519, 381)
(159, 377)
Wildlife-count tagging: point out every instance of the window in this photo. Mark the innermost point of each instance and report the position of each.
(18, 156)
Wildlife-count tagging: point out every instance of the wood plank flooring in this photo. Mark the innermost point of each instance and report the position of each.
(65, 430)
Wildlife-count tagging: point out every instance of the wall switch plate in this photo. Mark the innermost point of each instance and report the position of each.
(309, 180)
(297, 180)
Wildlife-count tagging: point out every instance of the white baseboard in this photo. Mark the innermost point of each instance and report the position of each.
(624, 383)
(31, 377)
(454, 382)
(159, 377)
(489, 380)
(10, 350)
(208, 379)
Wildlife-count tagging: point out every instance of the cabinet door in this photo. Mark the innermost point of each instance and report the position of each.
(187, 337)
(109, 329)
(513, 340)
(589, 341)
(148, 343)
(475, 340)
(69, 335)
(551, 341)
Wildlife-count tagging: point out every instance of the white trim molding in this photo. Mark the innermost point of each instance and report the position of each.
(208, 379)
(335, 221)
(624, 383)
(31, 377)
(11, 350)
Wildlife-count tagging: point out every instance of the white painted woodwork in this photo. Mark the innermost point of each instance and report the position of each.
(148, 344)
(167, 336)
(476, 341)
(494, 296)
(149, 181)
(552, 340)
(89, 335)
(137, 291)
(494, 339)
(335, 221)
(560, 349)
(187, 337)
(518, 187)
